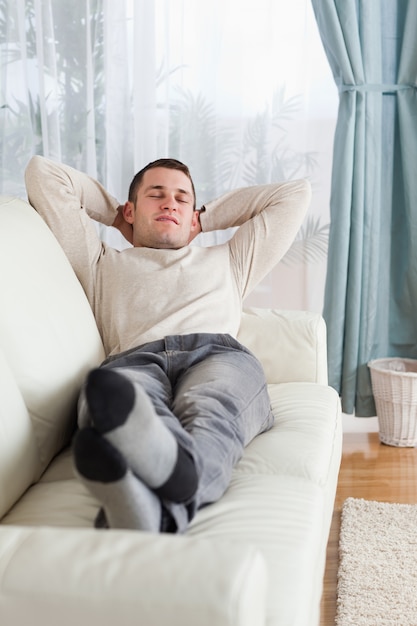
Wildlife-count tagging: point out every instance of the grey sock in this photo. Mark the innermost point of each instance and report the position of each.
(126, 501)
(124, 414)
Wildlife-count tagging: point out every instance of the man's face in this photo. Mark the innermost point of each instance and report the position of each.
(163, 215)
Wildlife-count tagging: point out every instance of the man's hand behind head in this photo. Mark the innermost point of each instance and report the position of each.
(122, 225)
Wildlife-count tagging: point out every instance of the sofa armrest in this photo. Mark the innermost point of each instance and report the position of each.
(291, 345)
(101, 578)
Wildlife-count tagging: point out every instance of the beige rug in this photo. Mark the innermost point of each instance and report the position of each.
(377, 578)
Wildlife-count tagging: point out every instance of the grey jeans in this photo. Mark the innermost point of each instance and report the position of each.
(211, 392)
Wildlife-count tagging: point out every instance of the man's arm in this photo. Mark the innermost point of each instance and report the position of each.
(46, 180)
(269, 217)
(234, 208)
(66, 199)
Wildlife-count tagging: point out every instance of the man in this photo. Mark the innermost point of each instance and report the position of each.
(166, 417)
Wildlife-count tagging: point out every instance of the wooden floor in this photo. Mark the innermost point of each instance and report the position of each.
(373, 471)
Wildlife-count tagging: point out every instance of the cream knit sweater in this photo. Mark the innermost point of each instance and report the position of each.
(141, 294)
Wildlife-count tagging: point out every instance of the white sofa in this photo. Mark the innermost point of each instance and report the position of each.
(254, 558)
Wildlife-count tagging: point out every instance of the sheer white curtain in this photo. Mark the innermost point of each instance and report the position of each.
(240, 90)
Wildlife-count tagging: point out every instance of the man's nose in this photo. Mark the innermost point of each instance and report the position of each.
(170, 204)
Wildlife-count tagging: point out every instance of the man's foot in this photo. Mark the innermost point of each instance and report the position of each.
(126, 501)
(124, 414)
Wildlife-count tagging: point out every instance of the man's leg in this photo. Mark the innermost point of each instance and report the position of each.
(222, 402)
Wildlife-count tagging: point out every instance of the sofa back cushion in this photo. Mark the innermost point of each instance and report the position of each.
(291, 345)
(48, 342)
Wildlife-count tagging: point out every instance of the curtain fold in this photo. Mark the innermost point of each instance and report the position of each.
(371, 285)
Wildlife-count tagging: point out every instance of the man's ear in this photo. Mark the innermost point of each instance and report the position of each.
(195, 226)
(195, 223)
(129, 212)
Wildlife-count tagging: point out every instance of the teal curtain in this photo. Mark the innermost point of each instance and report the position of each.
(371, 285)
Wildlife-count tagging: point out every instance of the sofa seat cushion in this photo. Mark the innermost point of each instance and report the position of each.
(305, 433)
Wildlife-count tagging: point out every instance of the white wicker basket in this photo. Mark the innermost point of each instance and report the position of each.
(394, 385)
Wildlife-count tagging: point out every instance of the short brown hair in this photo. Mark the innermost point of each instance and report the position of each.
(171, 164)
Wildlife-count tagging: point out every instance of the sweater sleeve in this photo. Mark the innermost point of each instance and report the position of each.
(268, 216)
(67, 199)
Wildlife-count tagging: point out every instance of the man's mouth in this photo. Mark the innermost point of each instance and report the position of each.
(167, 218)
